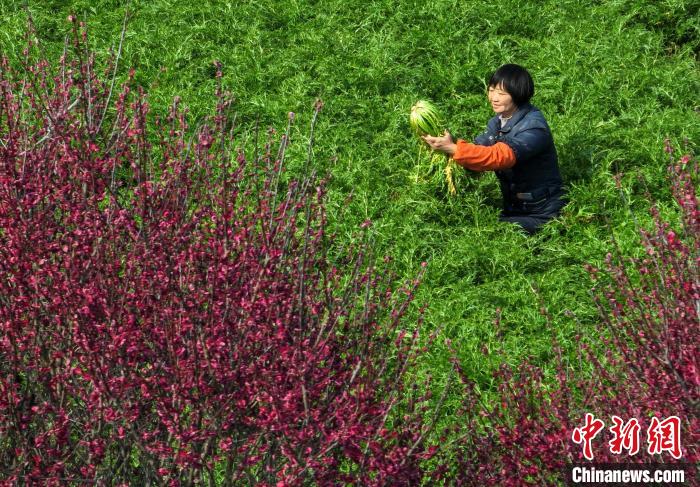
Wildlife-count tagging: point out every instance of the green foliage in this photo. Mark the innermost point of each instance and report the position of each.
(612, 78)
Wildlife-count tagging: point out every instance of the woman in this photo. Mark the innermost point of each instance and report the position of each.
(518, 146)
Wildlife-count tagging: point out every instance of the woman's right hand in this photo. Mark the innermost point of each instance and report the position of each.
(442, 143)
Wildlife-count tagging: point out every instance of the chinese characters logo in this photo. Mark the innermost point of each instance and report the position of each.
(662, 436)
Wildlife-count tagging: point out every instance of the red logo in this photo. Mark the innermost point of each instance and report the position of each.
(625, 436)
(586, 433)
(662, 436)
(665, 436)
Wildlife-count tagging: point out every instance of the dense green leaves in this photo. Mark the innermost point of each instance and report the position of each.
(612, 78)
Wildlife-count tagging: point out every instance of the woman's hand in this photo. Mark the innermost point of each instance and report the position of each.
(443, 144)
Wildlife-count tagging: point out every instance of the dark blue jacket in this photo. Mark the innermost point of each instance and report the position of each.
(535, 177)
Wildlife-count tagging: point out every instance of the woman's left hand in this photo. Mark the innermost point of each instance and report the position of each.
(442, 144)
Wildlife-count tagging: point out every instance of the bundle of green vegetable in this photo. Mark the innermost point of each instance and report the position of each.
(425, 119)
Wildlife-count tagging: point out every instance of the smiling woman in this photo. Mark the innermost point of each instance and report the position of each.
(501, 102)
(518, 145)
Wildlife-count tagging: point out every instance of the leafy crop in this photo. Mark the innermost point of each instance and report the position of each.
(644, 365)
(614, 79)
(425, 119)
(605, 80)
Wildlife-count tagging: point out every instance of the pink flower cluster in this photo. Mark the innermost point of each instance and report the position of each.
(170, 315)
(168, 310)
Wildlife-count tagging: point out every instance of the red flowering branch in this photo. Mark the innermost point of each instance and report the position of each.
(168, 311)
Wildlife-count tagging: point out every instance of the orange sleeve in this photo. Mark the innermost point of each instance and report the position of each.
(484, 158)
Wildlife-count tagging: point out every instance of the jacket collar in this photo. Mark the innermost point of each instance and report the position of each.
(517, 116)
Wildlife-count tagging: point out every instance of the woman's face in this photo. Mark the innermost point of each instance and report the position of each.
(501, 101)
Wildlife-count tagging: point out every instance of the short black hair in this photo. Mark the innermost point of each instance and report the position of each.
(517, 82)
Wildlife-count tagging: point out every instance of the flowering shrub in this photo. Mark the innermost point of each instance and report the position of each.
(169, 314)
(168, 310)
(645, 367)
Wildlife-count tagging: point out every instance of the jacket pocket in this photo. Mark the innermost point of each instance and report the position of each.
(536, 207)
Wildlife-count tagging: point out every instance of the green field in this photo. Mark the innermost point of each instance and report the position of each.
(614, 79)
